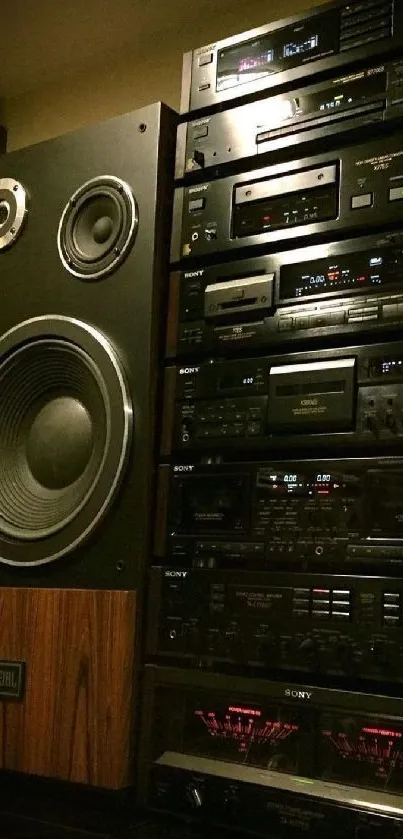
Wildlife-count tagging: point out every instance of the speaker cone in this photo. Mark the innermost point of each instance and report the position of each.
(65, 428)
(97, 228)
(13, 211)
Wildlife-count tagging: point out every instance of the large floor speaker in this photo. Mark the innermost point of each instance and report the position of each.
(84, 237)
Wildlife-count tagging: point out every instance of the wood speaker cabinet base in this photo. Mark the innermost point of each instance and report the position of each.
(74, 722)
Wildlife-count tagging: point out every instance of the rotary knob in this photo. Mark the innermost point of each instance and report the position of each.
(193, 639)
(345, 654)
(373, 424)
(194, 796)
(379, 653)
(308, 649)
(198, 160)
(269, 648)
(231, 803)
(391, 422)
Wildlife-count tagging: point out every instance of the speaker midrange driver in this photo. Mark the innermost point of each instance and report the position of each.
(98, 227)
(13, 211)
(65, 430)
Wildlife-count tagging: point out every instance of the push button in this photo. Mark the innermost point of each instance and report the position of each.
(197, 204)
(396, 193)
(206, 58)
(200, 131)
(358, 202)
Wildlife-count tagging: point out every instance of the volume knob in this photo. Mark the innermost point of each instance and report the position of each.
(195, 796)
(198, 160)
(307, 647)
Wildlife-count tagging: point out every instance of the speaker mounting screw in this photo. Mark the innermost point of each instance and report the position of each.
(120, 565)
(15, 188)
(12, 231)
(142, 127)
(117, 251)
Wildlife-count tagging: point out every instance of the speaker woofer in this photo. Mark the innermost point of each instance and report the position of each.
(13, 211)
(97, 228)
(65, 428)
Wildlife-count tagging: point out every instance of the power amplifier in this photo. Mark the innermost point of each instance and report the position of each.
(282, 53)
(320, 292)
(359, 98)
(337, 192)
(339, 398)
(335, 626)
(272, 759)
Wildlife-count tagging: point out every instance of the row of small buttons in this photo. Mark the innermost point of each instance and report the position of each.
(191, 336)
(366, 199)
(251, 429)
(230, 414)
(322, 604)
(325, 319)
(391, 609)
(229, 422)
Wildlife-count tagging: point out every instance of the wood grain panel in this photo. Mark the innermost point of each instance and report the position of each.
(75, 720)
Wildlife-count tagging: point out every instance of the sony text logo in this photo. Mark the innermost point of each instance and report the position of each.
(298, 694)
(195, 189)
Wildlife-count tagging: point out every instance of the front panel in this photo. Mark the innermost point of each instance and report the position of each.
(316, 112)
(337, 192)
(323, 515)
(281, 53)
(344, 397)
(344, 628)
(319, 293)
(298, 759)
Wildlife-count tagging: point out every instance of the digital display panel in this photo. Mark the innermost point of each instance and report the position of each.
(351, 95)
(364, 271)
(343, 96)
(297, 208)
(277, 51)
(320, 484)
(388, 366)
(236, 381)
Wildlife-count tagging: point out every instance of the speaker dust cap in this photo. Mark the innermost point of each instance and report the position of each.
(13, 211)
(97, 228)
(65, 432)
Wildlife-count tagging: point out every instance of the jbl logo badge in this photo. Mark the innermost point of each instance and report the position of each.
(12, 680)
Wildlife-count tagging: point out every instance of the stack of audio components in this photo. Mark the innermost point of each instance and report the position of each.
(275, 621)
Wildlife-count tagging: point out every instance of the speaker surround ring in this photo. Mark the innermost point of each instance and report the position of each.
(13, 211)
(65, 432)
(97, 228)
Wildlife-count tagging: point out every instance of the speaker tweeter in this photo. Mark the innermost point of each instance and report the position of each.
(98, 227)
(13, 211)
